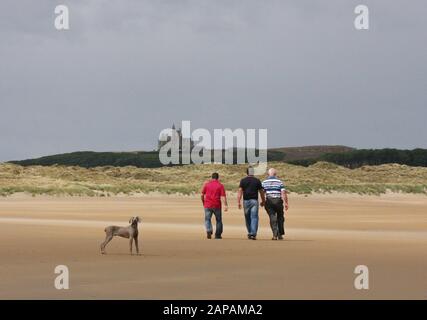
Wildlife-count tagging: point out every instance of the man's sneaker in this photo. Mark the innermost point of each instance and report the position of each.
(249, 236)
(274, 238)
(209, 235)
(218, 237)
(280, 237)
(252, 237)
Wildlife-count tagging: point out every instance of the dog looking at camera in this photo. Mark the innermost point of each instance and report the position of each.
(129, 232)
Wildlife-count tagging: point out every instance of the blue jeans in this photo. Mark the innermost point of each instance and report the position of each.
(218, 218)
(251, 216)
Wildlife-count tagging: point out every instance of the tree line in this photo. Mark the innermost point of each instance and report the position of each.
(362, 157)
(349, 159)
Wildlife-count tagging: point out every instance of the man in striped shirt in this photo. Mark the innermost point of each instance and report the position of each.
(276, 195)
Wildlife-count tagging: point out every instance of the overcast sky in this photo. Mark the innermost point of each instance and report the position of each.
(127, 69)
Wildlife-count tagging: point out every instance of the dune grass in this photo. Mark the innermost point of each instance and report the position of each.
(321, 177)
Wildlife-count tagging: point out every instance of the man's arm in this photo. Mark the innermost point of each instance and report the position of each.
(224, 199)
(224, 202)
(202, 196)
(239, 198)
(262, 194)
(285, 198)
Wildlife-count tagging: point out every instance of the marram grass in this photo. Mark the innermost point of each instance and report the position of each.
(321, 177)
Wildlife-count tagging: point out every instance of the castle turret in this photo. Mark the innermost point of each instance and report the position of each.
(176, 137)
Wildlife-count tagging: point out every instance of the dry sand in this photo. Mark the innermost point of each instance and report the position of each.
(327, 236)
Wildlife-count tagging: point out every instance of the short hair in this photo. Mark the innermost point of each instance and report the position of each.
(272, 172)
(250, 171)
(215, 175)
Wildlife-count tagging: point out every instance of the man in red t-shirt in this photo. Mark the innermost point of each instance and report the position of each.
(213, 196)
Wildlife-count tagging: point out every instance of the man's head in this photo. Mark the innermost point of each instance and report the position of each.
(272, 172)
(250, 171)
(215, 176)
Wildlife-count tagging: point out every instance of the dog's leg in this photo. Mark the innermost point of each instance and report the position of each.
(107, 239)
(136, 245)
(130, 244)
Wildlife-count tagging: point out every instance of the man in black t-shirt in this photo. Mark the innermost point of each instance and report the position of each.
(249, 188)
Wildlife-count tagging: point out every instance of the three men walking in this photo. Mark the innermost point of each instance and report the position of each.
(273, 197)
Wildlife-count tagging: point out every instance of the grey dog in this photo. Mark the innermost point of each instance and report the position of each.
(129, 232)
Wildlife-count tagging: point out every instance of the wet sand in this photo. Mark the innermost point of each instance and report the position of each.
(327, 237)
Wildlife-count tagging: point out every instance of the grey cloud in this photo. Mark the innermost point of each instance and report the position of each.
(127, 69)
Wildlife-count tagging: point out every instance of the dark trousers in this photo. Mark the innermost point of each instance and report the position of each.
(274, 208)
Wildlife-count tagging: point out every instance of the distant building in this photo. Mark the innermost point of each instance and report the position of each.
(175, 138)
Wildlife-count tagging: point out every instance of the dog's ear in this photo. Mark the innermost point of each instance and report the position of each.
(138, 219)
(130, 220)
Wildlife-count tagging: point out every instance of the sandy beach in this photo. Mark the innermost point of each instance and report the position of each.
(327, 237)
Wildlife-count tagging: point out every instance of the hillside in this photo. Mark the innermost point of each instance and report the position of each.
(104, 181)
(305, 156)
(142, 159)
(362, 157)
(89, 159)
(310, 152)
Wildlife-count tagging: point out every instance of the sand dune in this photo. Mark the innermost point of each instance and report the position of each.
(327, 236)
